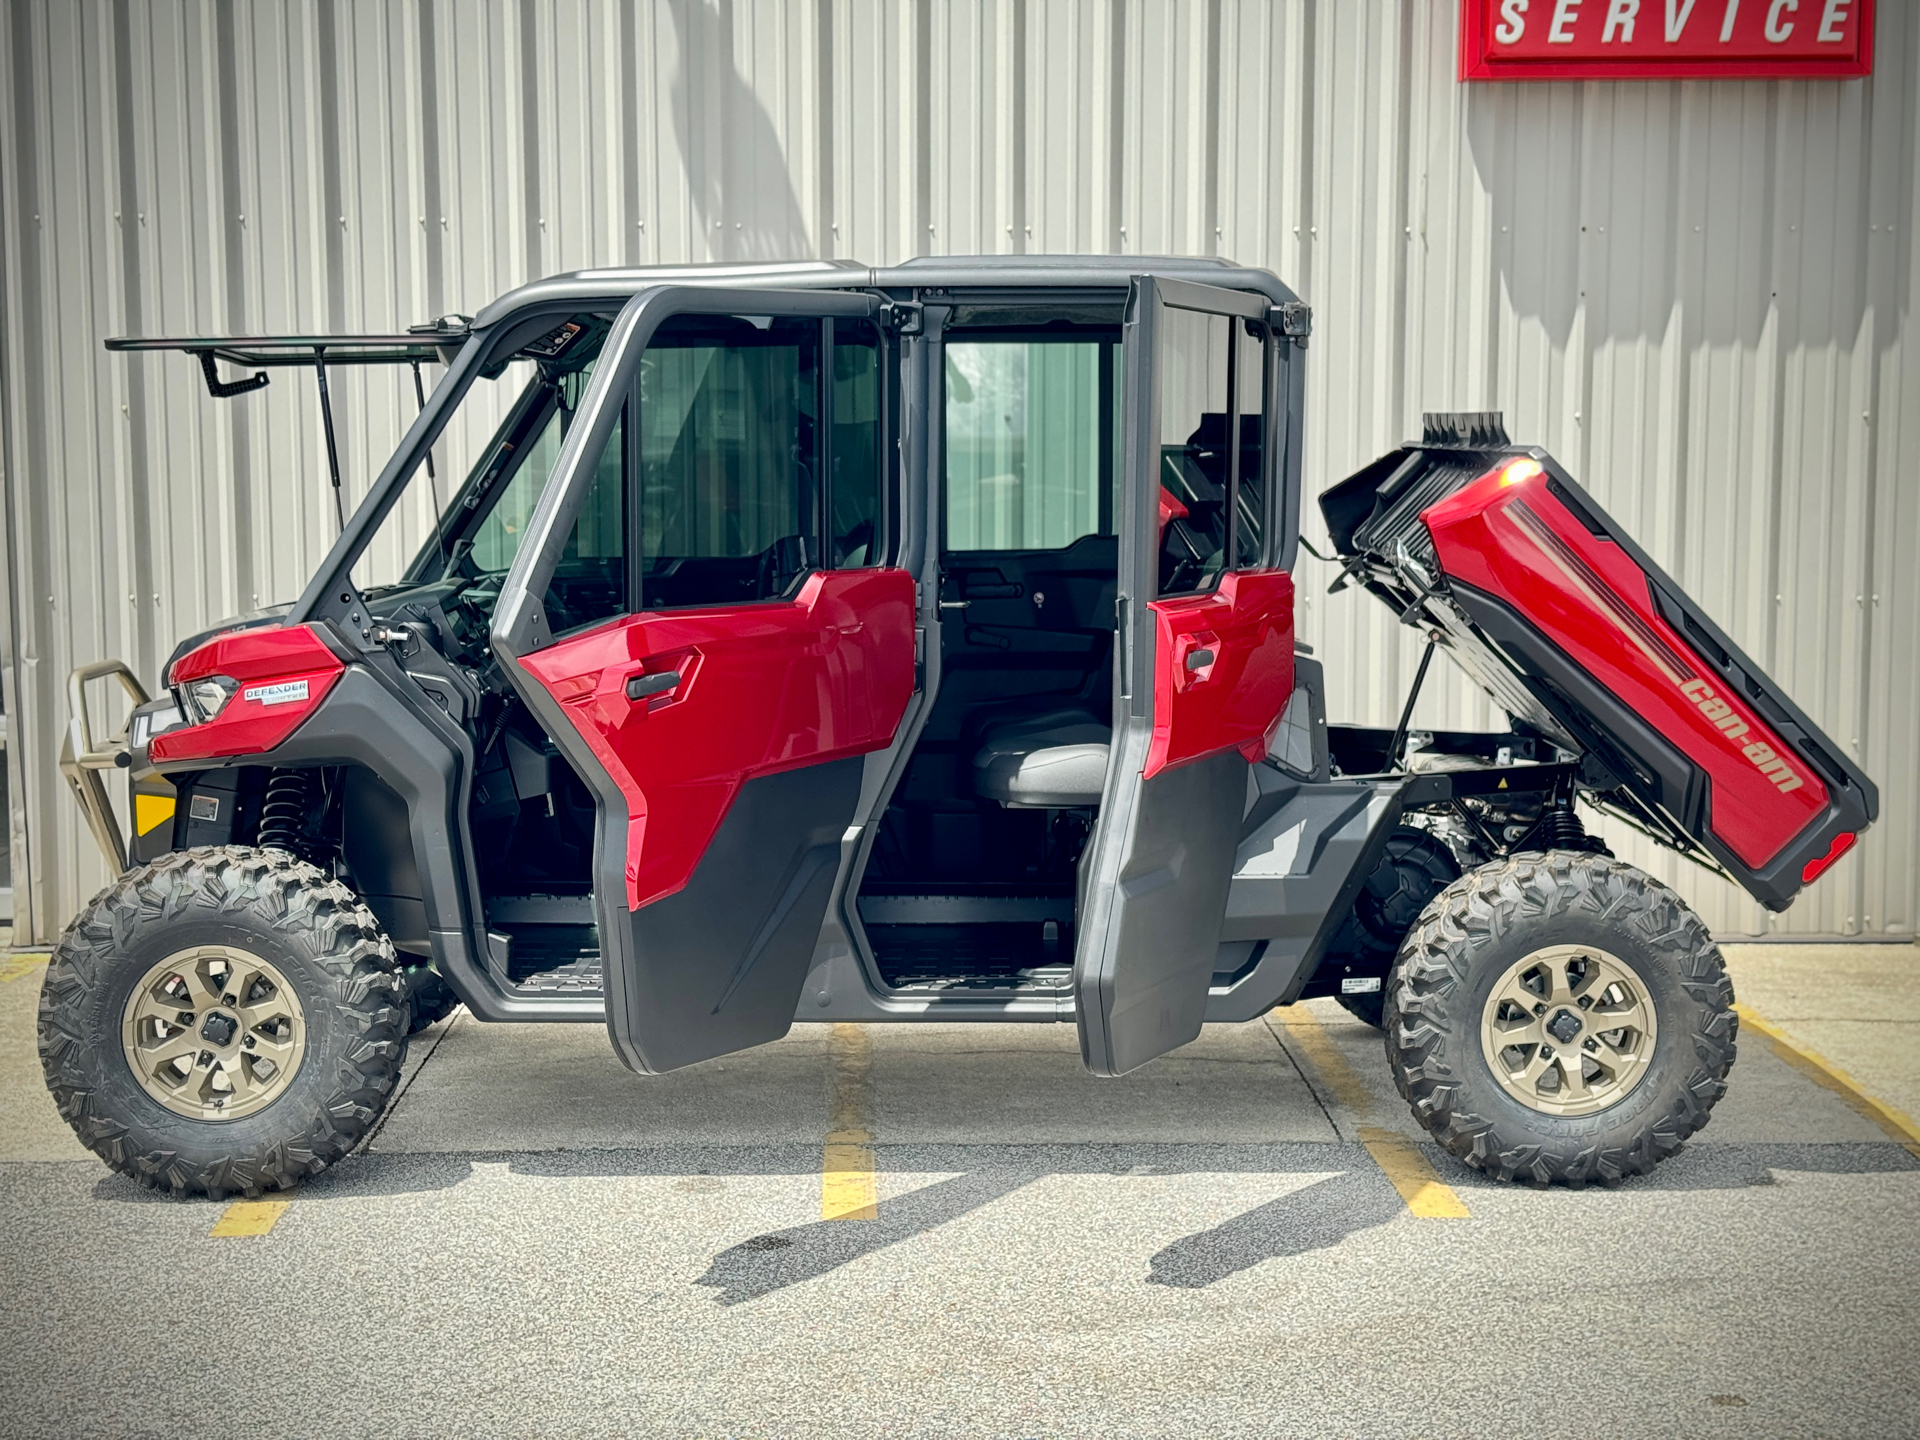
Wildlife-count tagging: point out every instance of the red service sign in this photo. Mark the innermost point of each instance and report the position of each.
(1664, 39)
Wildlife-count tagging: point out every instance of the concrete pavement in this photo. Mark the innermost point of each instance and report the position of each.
(537, 1242)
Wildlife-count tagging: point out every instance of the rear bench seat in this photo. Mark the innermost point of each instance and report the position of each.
(1057, 760)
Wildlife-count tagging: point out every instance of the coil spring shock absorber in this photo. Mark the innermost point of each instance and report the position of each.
(1559, 828)
(292, 799)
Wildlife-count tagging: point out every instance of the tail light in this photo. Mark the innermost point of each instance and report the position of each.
(1817, 866)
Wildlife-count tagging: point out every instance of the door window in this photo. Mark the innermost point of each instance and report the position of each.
(859, 398)
(1250, 496)
(1196, 363)
(1213, 491)
(734, 457)
(1030, 442)
(590, 581)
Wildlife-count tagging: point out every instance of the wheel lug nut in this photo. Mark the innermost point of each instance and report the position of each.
(1546, 1052)
(228, 1000)
(248, 1042)
(1591, 1044)
(186, 1017)
(1586, 1002)
(206, 1057)
(1539, 1009)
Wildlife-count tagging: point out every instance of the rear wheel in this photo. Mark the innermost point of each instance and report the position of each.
(222, 1021)
(1560, 1017)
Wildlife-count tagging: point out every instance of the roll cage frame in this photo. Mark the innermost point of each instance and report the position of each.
(427, 757)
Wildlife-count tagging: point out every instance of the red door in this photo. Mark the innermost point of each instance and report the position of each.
(683, 708)
(738, 441)
(1223, 668)
(1203, 666)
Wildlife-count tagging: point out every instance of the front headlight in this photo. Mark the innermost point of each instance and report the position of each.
(206, 697)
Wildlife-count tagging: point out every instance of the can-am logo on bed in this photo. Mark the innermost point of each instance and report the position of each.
(1585, 580)
(1734, 726)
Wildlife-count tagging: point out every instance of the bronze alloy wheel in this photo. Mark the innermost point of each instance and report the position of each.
(1568, 1030)
(214, 1033)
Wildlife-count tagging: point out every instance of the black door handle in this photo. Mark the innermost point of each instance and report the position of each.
(640, 687)
(1199, 659)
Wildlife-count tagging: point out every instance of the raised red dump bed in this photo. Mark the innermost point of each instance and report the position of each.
(1574, 631)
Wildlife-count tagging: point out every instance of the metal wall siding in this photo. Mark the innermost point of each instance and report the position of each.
(1697, 294)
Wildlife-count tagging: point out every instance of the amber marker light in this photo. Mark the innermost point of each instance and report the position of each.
(1519, 470)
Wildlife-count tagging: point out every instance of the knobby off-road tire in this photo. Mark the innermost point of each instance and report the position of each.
(1561, 905)
(323, 955)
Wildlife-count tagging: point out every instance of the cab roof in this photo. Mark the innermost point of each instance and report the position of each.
(924, 273)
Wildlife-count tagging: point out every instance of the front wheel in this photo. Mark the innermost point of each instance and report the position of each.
(223, 1021)
(1560, 1017)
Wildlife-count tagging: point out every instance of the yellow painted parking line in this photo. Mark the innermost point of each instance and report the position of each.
(1419, 1184)
(1307, 1031)
(847, 1189)
(16, 967)
(1425, 1193)
(249, 1217)
(1829, 1076)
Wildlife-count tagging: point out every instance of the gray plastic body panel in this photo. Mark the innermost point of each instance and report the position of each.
(1307, 850)
(1154, 892)
(362, 721)
(718, 966)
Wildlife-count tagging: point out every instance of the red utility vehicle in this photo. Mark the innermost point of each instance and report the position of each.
(826, 643)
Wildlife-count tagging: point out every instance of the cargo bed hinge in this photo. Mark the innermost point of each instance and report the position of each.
(1294, 319)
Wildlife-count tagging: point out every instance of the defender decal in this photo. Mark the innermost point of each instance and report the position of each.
(284, 693)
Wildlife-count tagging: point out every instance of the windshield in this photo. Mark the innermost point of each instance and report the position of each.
(503, 521)
(501, 443)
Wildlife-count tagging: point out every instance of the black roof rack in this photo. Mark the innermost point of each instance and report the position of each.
(433, 342)
(299, 349)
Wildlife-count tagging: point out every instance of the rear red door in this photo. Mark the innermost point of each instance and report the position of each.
(1224, 668)
(1203, 666)
(721, 720)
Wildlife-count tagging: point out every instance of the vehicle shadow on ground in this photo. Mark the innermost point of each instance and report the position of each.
(1699, 1167)
(1315, 1216)
(1355, 1196)
(764, 1263)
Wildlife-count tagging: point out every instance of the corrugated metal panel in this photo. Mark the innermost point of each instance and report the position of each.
(1697, 294)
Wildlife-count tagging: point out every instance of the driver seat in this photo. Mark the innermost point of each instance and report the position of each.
(1052, 761)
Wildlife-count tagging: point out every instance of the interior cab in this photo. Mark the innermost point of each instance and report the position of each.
(905, 646)
(970, 886)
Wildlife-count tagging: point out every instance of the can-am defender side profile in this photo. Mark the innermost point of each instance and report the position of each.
(818, 642)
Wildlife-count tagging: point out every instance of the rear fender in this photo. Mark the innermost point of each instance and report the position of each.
(1305, 851)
